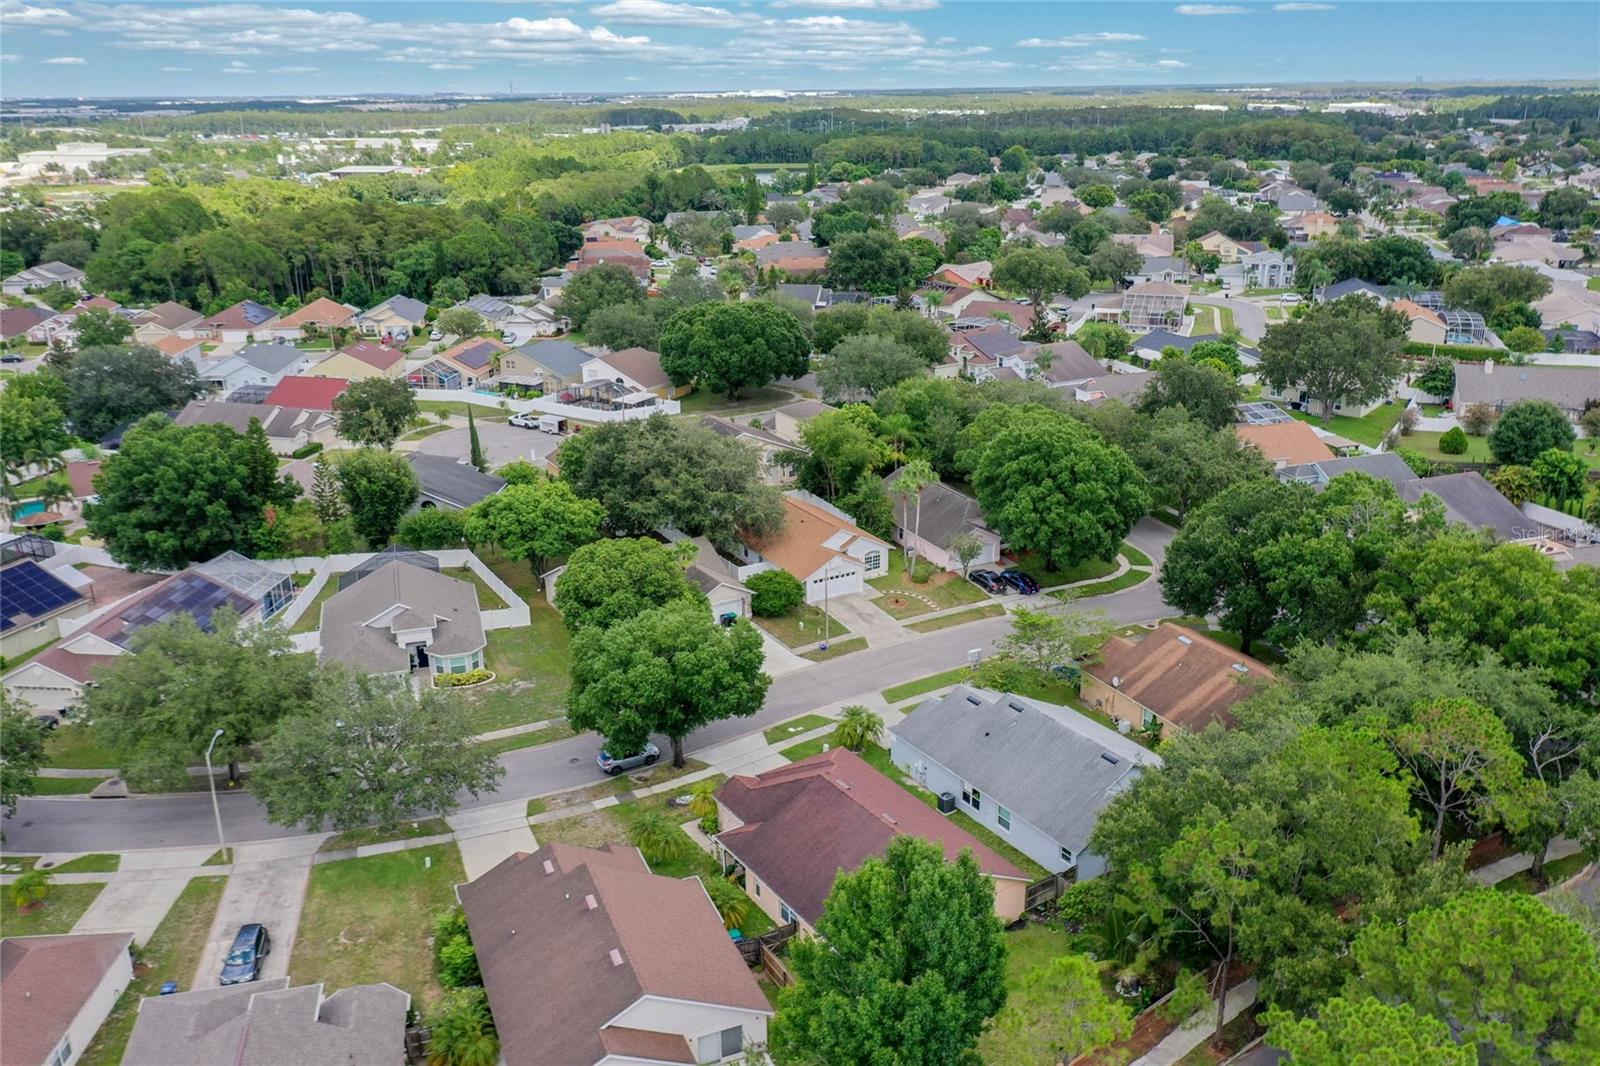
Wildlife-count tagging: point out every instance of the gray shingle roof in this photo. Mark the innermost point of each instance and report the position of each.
(453, 482)
(1385, 466)
(413, 311)
(352, 633)
(564, 358)
(1472, 501)
(1049, 764)
(270, 358)
(946, 513)
(1568, 387)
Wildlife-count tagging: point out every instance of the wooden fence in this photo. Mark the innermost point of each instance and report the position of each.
(751, 947)
(1041, 892)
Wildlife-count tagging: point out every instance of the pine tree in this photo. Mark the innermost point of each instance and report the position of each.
(325, 497)
(475, 455)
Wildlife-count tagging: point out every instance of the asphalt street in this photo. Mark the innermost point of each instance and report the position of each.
(44, 824)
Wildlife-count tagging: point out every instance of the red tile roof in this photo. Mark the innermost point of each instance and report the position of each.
(311, 394)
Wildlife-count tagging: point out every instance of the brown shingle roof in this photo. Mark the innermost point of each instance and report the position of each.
(546, 954)
(44, 982)
(805, 822)
(1187, 678)
(639, 365)
(800, 547)
(1286, 442)
(319, 312)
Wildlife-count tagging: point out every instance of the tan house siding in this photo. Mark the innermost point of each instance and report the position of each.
(1119, 705)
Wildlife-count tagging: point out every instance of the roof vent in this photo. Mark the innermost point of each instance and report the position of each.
(843, 784)
(889, 818)
(616, 957)
(589, 901)
(975, 701)
(1116, 682)
(1184, 640)
(1015, 706)
(1110, 758)
(1241, 668)
(549, 867)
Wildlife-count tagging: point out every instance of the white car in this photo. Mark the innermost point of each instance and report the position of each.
(1289, 298)
(436, 336)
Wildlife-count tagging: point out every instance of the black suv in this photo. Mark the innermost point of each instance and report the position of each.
(250, 946)
(1020, 581)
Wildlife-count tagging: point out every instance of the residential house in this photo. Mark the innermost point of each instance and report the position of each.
(979, 275)
(362, 360)
(789, 420)
(1570, 305)
(821, 546)
(1571, 388)
(56, 992)
(1123, 388)
(1154, 344)
(768, 446)
(1166, 268)
(453, 484)
(796, 258)
(749, 238)
(633, 370)
(42, 277)
(403, 617)
(517, 324)
(1288, 198)
(1226, 248)
(320, 316)
(258, 364)
(1282, 444)
(589, 959)
(549, 366)
(1470, 500)
(267, 1023)
(929, 203)
(1035, 773)
(1154, 305)
(307, 393)
(1577, 341)
(961, 179)
(1267, 270)
(930, 522)
(957, 301)
(986, 349)
(1423, 324)
(164, 319)
(817, 297)
(627, 228)
(1173, 677)
(1385, 466)
(466, 366)
(288, 429)
(398, 317)
(1311, 225)
(1154, 243)
(244, 322)
(17, 321)
(177, 347)
(34, 601)
(1526, 250)
(54, 680)
(795, 828)
(1064, 363)
(1352, 287)
(718, 578)
(625, 254)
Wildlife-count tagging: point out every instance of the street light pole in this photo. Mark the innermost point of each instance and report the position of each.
(827, 587)
(216, 812)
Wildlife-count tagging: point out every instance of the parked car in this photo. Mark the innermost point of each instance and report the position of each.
(11, 357)
(987, 580)
(243, 964)
(435, 335)
(614, 766)
(1019, 580)
(1289, 298)
(526, 420)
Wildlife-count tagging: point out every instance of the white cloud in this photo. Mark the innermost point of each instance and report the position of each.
(449, 66)
(177, 70)
(861, 5)
(1170, 64)
(65, 61)
(1303, 7)
(14, 13)
(1211, 9)
(10, 57)
(1079, 40)
(661, 13)
(294, 70)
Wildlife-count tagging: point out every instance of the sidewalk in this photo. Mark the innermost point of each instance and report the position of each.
(1199, 1027)
(144, 887)
(1511, 865)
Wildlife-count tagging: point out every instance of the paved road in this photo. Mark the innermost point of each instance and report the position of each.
(1249, 317)
(68, 823)
(502, 443)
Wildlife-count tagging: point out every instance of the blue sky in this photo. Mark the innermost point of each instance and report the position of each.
(74, 48)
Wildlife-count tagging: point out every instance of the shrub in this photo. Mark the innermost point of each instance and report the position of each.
(471, 677)
(709, 825)
(1479, 418)
(432, 528)
(462, 1031)
(774, 593)
(1408, 421)
(306, 451)
(922, 571)
(30, 889)
(1454, 442)
(1084, 902)
(458, 963)
(1529, 427)
(1418, 462)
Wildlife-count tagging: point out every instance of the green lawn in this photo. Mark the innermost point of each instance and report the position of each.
(1125, 580)
(368, 920)
(1478, 450)
(1593, 284)
(98, 863)
(488, 598)
(944, 588)
(804, 724)
(931, 683)
(57, 914)
(311, 620)
(549, 735)
(802, 626)
(75, 747)
(704, 402)
(1134, 556)
(1035, 567)
(1369, 429)
(540, 652)
(459, 407)
(1209, 319)
(960, 618)
(1554, 873)
(1029, 947)
(172, 954)
(426, 431)
(836, 648)
(355, 838)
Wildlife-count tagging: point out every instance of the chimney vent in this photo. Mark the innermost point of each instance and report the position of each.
(549, 867)
(616, 957)
(589, 901)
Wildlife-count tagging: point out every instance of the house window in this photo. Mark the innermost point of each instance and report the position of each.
(785, 914)
(873, 560)
(63, 1052)
(755, 886)
(1066, 856)
(971, 797)
(1148, 720)
(1003, 816)
(715, 1047)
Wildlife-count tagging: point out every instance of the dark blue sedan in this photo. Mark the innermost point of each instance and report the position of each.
(1020, 581)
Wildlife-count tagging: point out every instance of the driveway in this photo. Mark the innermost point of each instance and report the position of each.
(142, 891)
(862, 617)
(268, 885)
(502, 443)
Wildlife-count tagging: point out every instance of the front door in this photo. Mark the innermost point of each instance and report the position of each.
(419, 657)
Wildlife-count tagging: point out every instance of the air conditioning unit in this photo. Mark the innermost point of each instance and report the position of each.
(947, 803)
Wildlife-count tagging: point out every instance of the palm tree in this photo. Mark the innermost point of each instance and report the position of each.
(30, 889)
(934, 300)
(461, 1033)
(731, 902)
(55, 493)
(703, 798)
(858, 728)
(915, 476)
(653, 833)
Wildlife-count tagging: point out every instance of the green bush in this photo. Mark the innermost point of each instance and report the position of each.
(708, 825)
(1454, 442)
(1084, 902)
(432, 528)
(922, 571)
(307, 451)
(471, 677)
(1418, 462)
(774, 593)
(455, 960)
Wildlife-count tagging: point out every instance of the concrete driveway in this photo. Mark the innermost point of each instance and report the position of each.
(268, 885)
(862, 617)
(502, 443)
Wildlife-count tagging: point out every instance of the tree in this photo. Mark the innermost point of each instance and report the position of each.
(863, 366)
(370, 750)
(1528, 428)
(1097, 196)
(1114, 261)
(843, 447)
(858, 726)
(99, 328)
(730, 346)
(1563, 207)
(1516, 483)
(907, 936)
(107, 387)
(659, 472)
(1040, 274)
(1479, 418)
(1524, 339)
(1346, 350)
(1470, 243)
(1438, 377)
(1364, 1029)
(605, 285)
(461, 1030)
(1207, 394)
(609, 581)
(1509, 976)
(1188, 463)
(873, 261)
(33, 427)
(1485, 289)
(325, 495)
(657, 836)
(1561, 474)
(432, 529)
(669, 670)
(378, 488)
(475, 454)
(373, 412)
(158, 706)
(459, 322)
(173, 495)
(21, 754)
(1058, 489)
(1454, 442)
(30, 889)
(909, 481)
(536, 522)
(1042, 641)
(774, 593)
(733, 906)
(1059, 1011)
(624, 325)
(964, 548)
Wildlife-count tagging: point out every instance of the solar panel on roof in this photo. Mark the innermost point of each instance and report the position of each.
(28, 591)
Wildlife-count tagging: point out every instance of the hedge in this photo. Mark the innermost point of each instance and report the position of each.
(1460, 352)
(306, 451)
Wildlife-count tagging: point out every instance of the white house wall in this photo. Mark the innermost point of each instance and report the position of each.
(98, 1006)
(657, 1014)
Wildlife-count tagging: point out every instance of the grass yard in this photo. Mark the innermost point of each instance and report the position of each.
(98, 863)
(835, 649)
(75, 747)
(172, 954)
(539, 653)
(371, 919)
(1134, 556)
(802, 626)
(703, 402)
(960, 618)
(57, 914)
(1028, 948)
(426, 431)
(356, 838)
(804, 724)
(459, 407)
(924, 685)
(1555, 872)
(1369, 429)
(1125, 580)
(1593, 284)
(311, 620)
(1209, 319)
(488, 598)
(1035, 567)
(944, 589)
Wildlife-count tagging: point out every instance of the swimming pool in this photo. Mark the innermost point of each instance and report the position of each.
(23, 510)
